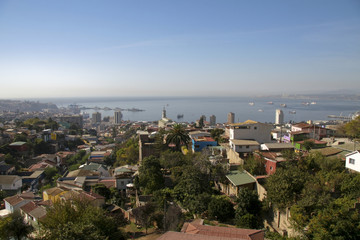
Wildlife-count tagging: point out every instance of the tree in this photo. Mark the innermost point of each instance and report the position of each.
(150, 175)
(284, 187)
(102, 190)
(78, 219)
(216, 134)
(337, 221)
(178, 136)
(220, 208)
(145, 215)
(14, 227)
(352, 128)
(50, 172)
(308, 145)
(255, 165)
(248, 209)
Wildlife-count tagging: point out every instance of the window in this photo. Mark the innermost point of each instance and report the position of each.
(255, 128)
(351, 161)
(247, 146)
(271, 168)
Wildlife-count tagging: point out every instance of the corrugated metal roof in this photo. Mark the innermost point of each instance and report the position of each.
(239, 178)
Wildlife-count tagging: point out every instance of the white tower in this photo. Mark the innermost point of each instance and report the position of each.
(279, 116)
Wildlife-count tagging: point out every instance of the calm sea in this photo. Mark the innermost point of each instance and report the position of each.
(193, 107)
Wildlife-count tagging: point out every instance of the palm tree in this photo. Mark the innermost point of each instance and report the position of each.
(178, 136)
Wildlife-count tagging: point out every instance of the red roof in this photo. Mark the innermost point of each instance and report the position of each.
(27, 208)
(204, 139)
(224, 232)
(13, 200)
(313, 140)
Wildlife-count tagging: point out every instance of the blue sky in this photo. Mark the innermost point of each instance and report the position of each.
(178, 48)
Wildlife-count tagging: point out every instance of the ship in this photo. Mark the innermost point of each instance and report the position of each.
(260, 110)
(283, 105)
(313, 103)
(251, 103)
(292, 112)
(180, 116)
(270, 103)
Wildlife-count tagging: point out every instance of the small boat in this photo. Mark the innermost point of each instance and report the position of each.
(283, 105)
(313, 103)
(305, 103)
(180, 116)
(270, 103)
(260, 110)
(292, 112)
(251, 103)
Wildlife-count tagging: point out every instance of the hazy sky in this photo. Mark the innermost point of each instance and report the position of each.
(185, 47)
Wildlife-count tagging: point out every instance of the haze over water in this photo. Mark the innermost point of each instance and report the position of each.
(193, 107)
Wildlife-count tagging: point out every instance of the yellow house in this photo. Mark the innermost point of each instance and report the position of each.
(53, 194)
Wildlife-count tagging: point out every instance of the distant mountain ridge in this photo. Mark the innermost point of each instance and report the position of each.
(25, 106)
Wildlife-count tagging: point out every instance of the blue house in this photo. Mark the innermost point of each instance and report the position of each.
(201, 142)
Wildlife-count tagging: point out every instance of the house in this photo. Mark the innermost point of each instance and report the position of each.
(94, 199)
(6, 169)
(99, 168)
(10, 183)
(98, 156)
(201, 142)
(53, 194)
(352, 161)
(124, 175)
(32, 213)
(272, 160)
(300, 145)
(195, 134)
(251, 130)
(276, 147)
(13, 203)
(197, 231)
(236, 180)
(313, 130)
(34, 179)
(19, 146)
(244, 146)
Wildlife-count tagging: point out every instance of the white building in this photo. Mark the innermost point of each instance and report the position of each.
(279, 116)
(251, 130)
(353, 161)
(244, 146)
(12, 183)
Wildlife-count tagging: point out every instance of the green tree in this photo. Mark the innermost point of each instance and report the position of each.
(14, 227)
(255, 165)
(145, 215)
(308, 145)
(102, 190)
(284, 187)
(216, 134)
(150, 175)
(178, 136)
(220, 208)
(50, 172)
(352, 128)
(79, 220)
(248, 209)
(2, 195)
(337, 221)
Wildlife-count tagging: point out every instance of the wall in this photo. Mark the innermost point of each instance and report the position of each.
(259, 132)
(356, 166)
